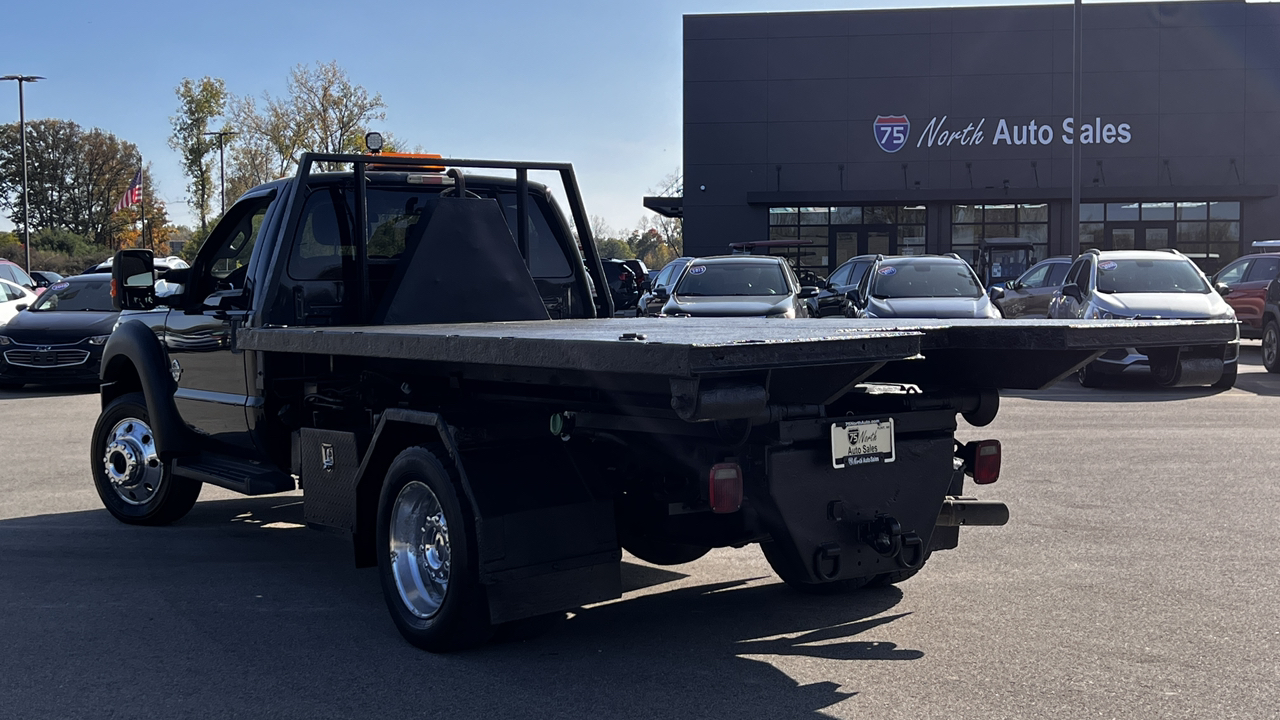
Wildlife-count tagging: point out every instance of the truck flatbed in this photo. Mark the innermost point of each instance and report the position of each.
(687, 347)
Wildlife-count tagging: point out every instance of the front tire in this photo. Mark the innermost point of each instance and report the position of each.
(1089, 377)
(427, 561)
(135, 486)
(1228, 379)
(1271, 346)
(661, 552)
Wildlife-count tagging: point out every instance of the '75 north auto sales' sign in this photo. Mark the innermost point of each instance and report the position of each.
(892, 132)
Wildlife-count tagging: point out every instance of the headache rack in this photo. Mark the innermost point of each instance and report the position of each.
(602, 303)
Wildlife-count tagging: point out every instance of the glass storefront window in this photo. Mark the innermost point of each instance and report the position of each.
(968, 253)
(784, 233)
(965, 234)
(1190, 234)
(1000, 214)
(1122, 211)
(1038, 233)
(813, 216)
(966, 213)
(1033, 213)
(879, 215)
(1157, 211)
(1092, 212)
(914, 215)
(846, 216)
(1224, 211)
(1193, 211)
(782, 216)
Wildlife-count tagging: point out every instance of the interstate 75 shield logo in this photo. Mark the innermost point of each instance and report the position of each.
(892, 131)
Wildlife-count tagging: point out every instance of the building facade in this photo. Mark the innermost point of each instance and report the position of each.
(830, 134)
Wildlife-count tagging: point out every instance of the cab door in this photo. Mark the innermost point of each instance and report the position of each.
(212, 394)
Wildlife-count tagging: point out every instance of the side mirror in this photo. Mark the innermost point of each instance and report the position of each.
(808, 291)
(21, 307)
(662, 292)
(1222, 288)
(645, 286)
(854, 298)
(1072, 290)
(995, 292)
(133, 280)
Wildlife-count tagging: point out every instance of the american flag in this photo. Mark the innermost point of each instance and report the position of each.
(133, 194)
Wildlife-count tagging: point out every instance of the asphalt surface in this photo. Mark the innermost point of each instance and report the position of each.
(1136, 579)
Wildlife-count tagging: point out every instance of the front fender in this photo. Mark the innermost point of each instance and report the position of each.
(133, 355)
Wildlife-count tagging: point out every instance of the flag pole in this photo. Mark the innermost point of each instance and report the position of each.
(142, 202)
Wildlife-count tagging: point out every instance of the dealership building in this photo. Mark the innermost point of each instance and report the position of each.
(824, 135)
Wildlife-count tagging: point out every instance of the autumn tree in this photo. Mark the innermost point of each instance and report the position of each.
(200, 103)
(323, 111)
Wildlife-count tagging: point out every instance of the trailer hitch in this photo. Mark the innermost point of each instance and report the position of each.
(886, 537)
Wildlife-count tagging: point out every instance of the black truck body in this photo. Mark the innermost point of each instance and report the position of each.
(368, 334)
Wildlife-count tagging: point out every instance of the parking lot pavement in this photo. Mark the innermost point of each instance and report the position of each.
(1134, 580)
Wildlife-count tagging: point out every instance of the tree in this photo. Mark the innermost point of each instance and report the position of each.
(669, 230)
(322, 112)
(200, 103)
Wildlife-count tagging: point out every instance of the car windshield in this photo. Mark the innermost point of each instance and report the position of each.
(924, 278)
(1156, 275)
(733, 278)
(88, 296)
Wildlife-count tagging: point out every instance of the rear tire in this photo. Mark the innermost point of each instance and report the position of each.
(427, 561)
(1089, 377)
(785, 565)
(1229, 373)
(135, 486)
(1271, 346)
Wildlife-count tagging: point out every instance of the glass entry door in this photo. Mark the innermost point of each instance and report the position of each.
(851, 240)
(1138, 236)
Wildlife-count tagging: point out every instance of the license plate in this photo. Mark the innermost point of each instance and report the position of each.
(861, 442)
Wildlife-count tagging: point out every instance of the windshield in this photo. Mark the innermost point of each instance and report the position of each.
(924, 278)
(1173, 275)
(733, 278)
(88, 296)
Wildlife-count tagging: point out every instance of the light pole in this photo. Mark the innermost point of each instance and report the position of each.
(1077, 80)
(22, 133)
(222, 168)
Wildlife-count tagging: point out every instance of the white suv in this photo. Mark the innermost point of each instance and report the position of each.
(1140, 284)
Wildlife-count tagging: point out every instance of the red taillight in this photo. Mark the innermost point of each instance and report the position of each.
(726, 487)
(986, 461)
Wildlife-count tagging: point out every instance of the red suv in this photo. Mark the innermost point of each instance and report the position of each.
(1247, 278)
(14, 273)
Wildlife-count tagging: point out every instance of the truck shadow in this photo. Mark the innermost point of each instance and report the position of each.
(242, 612)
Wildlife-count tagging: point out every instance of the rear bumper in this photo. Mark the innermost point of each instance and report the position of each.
(1114, 362)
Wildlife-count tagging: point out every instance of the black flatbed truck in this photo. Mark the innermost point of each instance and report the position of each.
(383, 339)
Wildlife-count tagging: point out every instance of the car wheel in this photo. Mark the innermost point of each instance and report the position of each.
(1089, 377)
(427, 561)
(1228, 379)
(1271, 347)
(136, 486)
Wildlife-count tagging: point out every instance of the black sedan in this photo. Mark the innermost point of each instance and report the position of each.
(59, 338)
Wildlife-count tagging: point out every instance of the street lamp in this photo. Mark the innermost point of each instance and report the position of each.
(222, 168)
(22, 133)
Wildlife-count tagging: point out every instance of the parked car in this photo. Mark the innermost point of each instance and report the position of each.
(14, 273)
(641, 272)
(622, 283)
(59, 338)
(13, 299)
(830, 301)
(921, 286)
(172, 262)
(45, 278)
(1029, 295)
(1246, 279)
(650, 303)
(1140, 284)
(737, 286)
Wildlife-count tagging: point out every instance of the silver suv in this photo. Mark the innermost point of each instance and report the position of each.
(1140, 284)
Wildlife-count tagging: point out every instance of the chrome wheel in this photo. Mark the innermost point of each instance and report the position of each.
(131, 462)
(1270, 345)
(420, 556)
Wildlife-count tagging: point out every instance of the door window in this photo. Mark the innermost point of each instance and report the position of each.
(1057, 274)
(841, 275)
(223, 262)
(1035, 278)
(1233, 274)
(1263, 270)
(322, 248)
(1074, 275)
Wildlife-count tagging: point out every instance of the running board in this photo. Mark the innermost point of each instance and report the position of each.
(244, 477)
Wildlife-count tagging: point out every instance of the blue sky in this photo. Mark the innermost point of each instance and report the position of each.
(595, 83)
